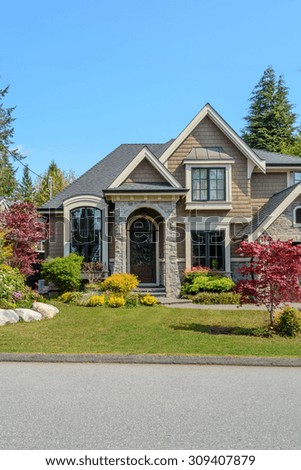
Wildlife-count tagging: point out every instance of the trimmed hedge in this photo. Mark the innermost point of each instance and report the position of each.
(214, 298)
(205, 281)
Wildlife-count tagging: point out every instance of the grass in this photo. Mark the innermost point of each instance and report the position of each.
(147, 330)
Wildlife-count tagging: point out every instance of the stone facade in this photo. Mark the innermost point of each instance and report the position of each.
(169, 269)
(284, 227)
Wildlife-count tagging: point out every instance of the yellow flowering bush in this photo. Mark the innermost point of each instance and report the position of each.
(70, 297)
(116, 301)
(120, 283)
(96, 301)
(148, 300)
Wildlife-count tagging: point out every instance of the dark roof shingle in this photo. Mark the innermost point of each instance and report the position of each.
(101, 175)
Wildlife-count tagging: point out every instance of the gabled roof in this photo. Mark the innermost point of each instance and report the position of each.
(101, 175)
(209, 111)
(277, 159)
(270, 212)
(147, 154)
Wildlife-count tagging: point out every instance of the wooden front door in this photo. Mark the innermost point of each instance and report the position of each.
(143, 250)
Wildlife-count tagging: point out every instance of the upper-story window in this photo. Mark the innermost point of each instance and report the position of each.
(86, 233)
(296, 177)
(208, 184)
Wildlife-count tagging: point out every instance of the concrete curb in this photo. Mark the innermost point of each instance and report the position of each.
(153, 359)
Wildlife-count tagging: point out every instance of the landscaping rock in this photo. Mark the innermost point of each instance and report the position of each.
(46, 310)
(8, 316)
(28, 315)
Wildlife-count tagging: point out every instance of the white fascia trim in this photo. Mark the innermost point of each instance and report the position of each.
(208, 206)
(277, 212)
(145, 153)
(207, 110)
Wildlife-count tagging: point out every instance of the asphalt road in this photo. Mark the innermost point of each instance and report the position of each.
(135, 406)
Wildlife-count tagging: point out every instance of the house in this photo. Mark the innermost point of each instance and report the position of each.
(157, 209)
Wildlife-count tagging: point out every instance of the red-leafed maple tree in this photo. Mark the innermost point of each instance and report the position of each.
(24, 230)
(273, 273)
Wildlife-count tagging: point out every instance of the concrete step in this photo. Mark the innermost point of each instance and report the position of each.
(158, 292)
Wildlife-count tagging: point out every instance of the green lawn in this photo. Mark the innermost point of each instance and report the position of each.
(147, 330)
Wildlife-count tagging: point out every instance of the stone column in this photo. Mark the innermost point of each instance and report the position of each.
(120, 264)
(172, 277)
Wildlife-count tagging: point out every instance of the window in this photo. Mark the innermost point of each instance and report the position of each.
(297, 177)
(297, 215)
(208, 184)
(86, 233)
(208, 249)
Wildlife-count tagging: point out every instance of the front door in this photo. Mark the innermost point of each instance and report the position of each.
(143, 250)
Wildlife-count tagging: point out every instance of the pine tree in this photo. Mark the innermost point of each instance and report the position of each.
(271, 123)
(26, 191)
(8, 182)
(53, 181)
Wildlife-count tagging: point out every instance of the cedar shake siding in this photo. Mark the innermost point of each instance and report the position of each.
(264, 186)
(145, 173)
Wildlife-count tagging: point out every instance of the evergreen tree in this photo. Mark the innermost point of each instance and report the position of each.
(271, 121)
(53, 181)
(8, 180)
(26, 191)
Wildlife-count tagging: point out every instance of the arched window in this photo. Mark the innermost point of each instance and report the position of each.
(86, 233)
(297, 215)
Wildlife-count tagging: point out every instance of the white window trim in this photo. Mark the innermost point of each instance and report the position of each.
(290, 177)
(295, 224)
(86, 201)
(209, 205)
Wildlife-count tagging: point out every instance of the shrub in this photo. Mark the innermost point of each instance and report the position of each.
(132, 300)
(84, 299)
(196, 282)
(12, 284)
(116, 301)
(215, 298)
(288, 322)
(96, 301)
(70, 297)
(65, 273)
(148, 300)
(120, 283)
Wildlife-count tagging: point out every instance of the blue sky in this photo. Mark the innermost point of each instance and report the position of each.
(87, 75)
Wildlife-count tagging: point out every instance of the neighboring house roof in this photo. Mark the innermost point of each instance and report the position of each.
(101, 175)
(270, 212)
(277, 159)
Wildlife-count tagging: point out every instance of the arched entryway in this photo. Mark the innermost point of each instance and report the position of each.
(143, 245)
